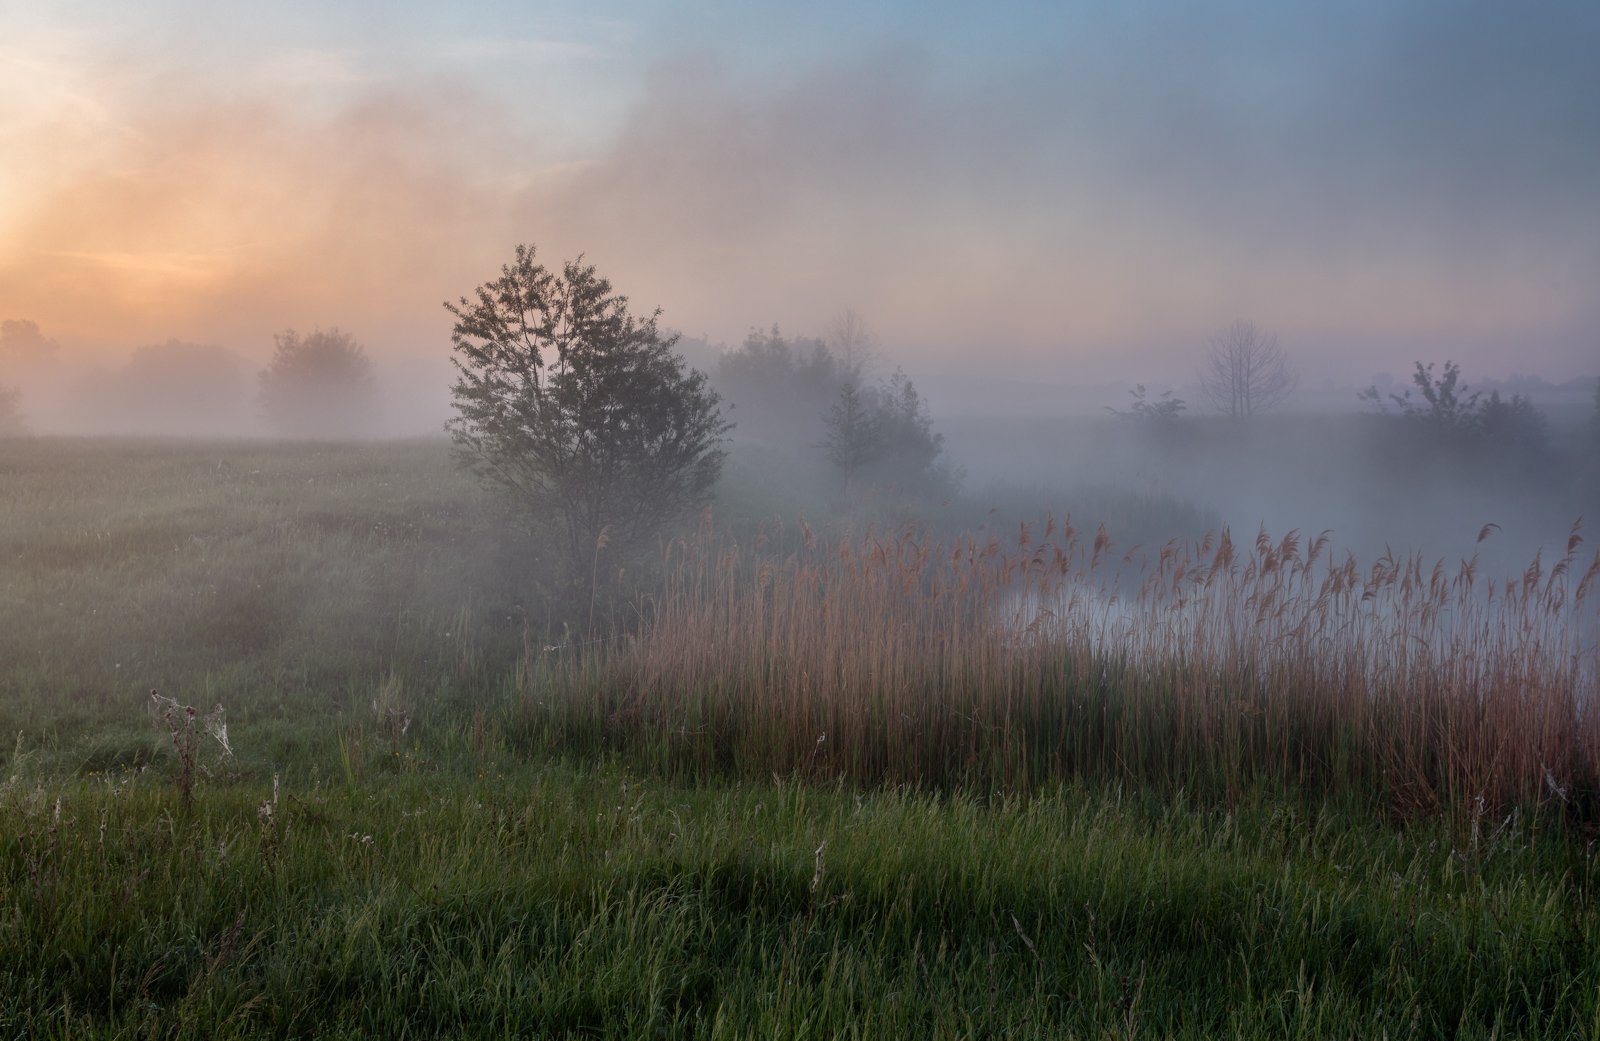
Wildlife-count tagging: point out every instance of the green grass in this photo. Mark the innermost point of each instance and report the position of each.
(288, 582)
(577, 901)
(425, 870)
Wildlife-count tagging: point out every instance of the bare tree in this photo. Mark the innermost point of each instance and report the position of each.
(1246, 371)
(852, 341)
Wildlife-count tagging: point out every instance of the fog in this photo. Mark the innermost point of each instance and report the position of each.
(1075, 196)
(1035, 211)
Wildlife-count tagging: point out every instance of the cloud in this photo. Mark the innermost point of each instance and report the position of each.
(513, 49)
(312, 67)
(231, 217)
(1372, 187)
(1375, 185)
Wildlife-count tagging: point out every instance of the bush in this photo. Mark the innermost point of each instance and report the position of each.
(883, 439)
(779, 387)
(1450, 422)
(583, 413)
(320, 385)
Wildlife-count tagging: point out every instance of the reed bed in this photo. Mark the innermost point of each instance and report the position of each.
(1209, 666)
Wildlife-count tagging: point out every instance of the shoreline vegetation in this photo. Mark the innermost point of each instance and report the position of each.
(1045, 657)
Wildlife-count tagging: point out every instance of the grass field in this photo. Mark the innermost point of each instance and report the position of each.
(434, 825)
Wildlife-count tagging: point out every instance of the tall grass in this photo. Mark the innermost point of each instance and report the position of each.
(1207, 665)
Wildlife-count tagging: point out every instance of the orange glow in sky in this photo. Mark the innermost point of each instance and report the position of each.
(1069, 219)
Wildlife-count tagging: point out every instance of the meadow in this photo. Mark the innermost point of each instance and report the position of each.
(862, 780)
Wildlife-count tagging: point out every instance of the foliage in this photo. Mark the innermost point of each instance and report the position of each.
(884, 438)
(1513, 425)
(1453, 416)
(909, 457)
(11, 422)
(319, 385)
(1445, 405)
(777, 386)
(188, 730)
(851, 340)
(1246, 371)
(579, 410)
(23, 347)
(852, 433)
(1163, 410)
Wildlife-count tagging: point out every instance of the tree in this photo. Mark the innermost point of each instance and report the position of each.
(885, 436)
(1245, 371)
(1164, 409)
(1512, 425)
(11, 422)
(1447, 419)
(911, 447)
(778, 386)
(853, 343)
(177, 387)
(852, 436)
(581, 411)
(319, 385)
(1446, 404)
(23, 347)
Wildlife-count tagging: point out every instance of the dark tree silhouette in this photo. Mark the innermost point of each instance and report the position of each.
(885, 437)
(1446, 403)
(1164, 409)
(1447, 420)
(580, 410)
(318, 385)
(852, 438)
(1512, 425)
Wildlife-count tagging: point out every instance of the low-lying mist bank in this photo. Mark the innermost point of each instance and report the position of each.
(1376, 482)
(1426, 480)
(789, 630)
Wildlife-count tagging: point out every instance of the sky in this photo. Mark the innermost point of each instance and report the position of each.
(1064, 193)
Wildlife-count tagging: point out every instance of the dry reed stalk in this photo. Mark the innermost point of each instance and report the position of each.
(886, 657)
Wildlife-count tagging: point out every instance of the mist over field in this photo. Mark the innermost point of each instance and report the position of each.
(712, 520)
(1322, 460)
(1029, 226)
